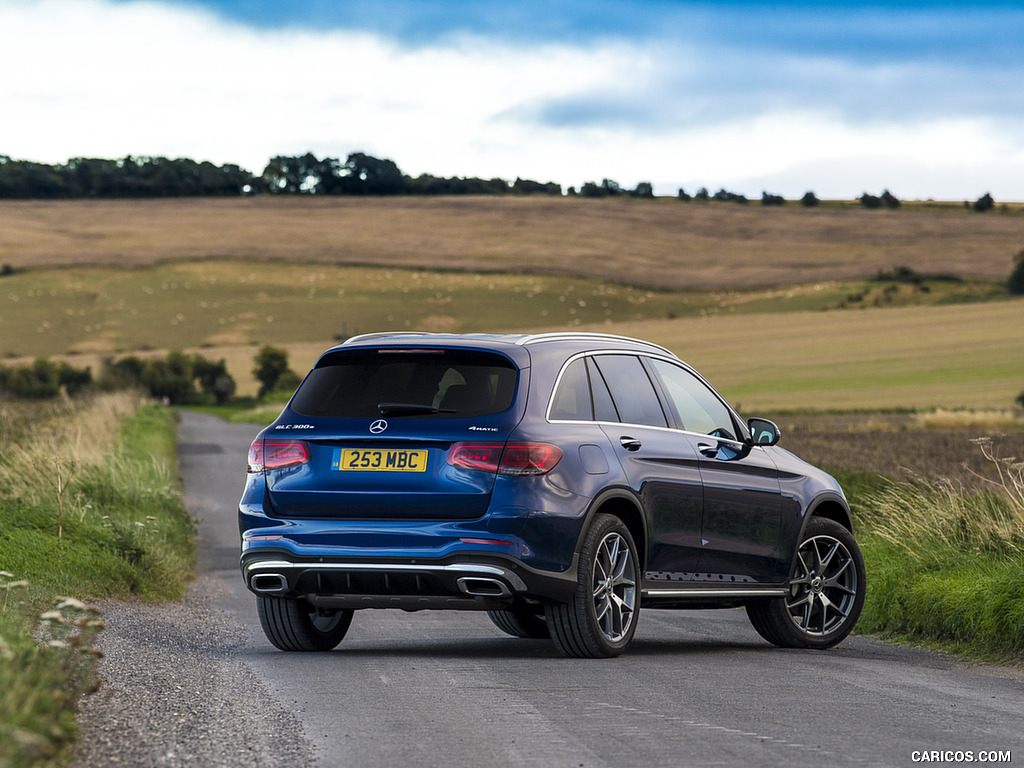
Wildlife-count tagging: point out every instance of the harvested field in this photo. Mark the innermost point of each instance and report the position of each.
(654, 243)
(901, 446)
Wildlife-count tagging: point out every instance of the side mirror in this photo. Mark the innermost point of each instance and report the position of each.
(763, 432)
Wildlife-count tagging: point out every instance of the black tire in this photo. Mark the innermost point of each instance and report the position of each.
(521, 623)
(600, 619)
(295, 625)
(826, 592)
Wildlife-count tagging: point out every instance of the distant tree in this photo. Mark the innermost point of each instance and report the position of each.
(809, 200)
(643, 189)
(725, 196)
(528, 187)
(607, 188)
(214, 379)
(305, 175)
(681, 195)
(702, 194)
(870, 201)
(364, 174)
(270, 365)
(984, 203)
(890, 200)
(1015, 283)
(767, 199)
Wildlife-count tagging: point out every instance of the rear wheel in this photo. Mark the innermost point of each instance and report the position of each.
(600, 619)
(295, 625)
(826, 592)
(520, 623)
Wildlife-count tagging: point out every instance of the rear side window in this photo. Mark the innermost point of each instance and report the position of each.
(571, 401)
(414, 383)
(631, 390)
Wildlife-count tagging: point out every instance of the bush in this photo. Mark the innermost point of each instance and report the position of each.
(809, 200)
(984, 203)
(1015, 283)
(767, 199)
(272, 372)
(725, 196)
(44, 379)
(180, 379)
(890, 200)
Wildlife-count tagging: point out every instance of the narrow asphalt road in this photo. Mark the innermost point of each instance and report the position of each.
(196, 684)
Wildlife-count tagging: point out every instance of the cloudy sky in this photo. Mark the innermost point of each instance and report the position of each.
(925, 98)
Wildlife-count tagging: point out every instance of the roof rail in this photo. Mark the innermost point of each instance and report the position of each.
(537, 338)
(385, 335)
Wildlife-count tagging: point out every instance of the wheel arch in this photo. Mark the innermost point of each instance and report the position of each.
(832, 507)
(623, 504)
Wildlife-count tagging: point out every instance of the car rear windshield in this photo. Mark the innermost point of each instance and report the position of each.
(414, 383)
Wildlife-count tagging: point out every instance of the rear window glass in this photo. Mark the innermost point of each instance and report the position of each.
(450, 384)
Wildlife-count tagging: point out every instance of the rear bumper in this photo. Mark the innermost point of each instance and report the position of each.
(457, 582)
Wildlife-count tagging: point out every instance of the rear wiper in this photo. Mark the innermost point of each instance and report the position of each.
(409, 409)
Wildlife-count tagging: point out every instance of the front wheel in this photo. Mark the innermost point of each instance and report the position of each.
(826, 592)
(601, 617)
(295, 625)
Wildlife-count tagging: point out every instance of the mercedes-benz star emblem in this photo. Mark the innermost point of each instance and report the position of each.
(378, 426)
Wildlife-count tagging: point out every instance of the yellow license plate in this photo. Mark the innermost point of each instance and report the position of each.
(377, 460)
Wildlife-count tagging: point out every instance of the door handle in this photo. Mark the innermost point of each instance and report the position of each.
(711, 451)
(630, 443)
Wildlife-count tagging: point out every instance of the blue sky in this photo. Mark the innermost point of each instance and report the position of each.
(923, 98)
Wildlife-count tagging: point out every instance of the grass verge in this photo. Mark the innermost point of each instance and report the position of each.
(947, 566)
(91, 509)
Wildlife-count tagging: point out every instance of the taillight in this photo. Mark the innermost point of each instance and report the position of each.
(529, 458)
(511, 459)
(277, 454)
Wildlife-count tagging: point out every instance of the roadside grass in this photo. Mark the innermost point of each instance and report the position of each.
(944, 546)
(91, 509)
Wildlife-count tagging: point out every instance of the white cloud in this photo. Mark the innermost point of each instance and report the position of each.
(91, 78)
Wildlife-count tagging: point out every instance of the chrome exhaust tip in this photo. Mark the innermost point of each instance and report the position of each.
(476, 586)
(268, 584)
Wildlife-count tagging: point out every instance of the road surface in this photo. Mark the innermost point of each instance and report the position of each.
(449, 689)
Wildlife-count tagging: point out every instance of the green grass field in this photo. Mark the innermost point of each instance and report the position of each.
(854, 345)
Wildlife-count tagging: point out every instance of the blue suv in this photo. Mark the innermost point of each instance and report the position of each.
(559, 481)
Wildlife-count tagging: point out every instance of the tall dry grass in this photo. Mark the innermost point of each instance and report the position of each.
(45, 447)
(935, 520)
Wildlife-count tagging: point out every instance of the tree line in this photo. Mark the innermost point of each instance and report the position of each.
(147, 177)
(359, 174)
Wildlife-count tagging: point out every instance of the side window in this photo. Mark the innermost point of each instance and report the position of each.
(604, 408)
(571, 401)
(631, 390)
(698, 407)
